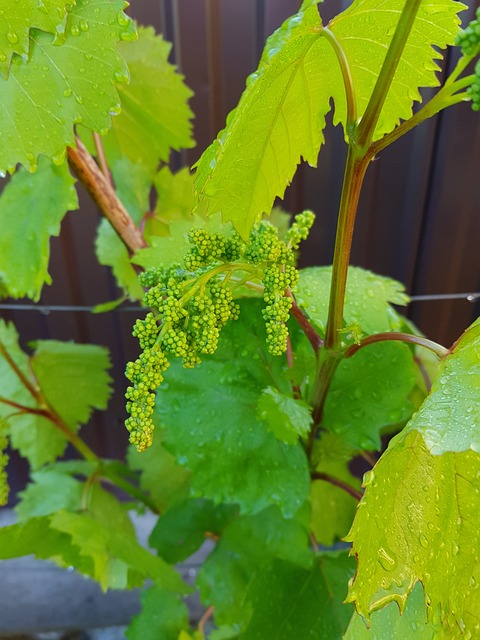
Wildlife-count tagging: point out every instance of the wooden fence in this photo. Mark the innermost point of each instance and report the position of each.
(419, 214)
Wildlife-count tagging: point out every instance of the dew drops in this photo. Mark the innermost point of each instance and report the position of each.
(12, 37)
(123, 20)
(386, 559)
(67, 93)
(84, 26)
(120, 76)
(423, 540)
(3, 57)
(75, 30)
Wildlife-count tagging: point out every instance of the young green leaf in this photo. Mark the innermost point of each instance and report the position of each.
(163, 616)
(37, 439)
(31, 210)
(281, 114)
(291, 602)
(225, 439)
(368, 299)
(50, 490)
(418, 522)
(60, 86)
(389, 624)
(73, 378)
(370, 391)
(247, 545)
(155, 115)
(286, 417)
(18, 18)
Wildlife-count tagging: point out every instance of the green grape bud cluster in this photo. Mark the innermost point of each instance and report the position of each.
(4, 489)
(192, 301)
(469, 39)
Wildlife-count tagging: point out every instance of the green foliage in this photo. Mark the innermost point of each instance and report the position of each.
(227, 432)
(163, 616)
(16, 21)
(256, 449)
(51, 92)
(290, 601)
(281, 114)
(73, 378)
(25, 240)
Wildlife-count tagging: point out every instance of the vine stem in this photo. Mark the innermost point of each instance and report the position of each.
(19, 373)
(102, 158)
(437, 349)
(319, 475)
(92, 178)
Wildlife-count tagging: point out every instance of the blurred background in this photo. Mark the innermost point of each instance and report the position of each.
(419, 216)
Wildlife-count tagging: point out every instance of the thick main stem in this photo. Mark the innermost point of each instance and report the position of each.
(89, 174)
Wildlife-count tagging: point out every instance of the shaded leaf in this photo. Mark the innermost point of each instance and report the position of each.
(226, 440)
(388, 624)
(37, 439)
(31, 210)
(181, 530)
(73, 378)
(49, 490)
(247, 545)
(163, 616)
(370, 391)
(60, 86)
(290, 602)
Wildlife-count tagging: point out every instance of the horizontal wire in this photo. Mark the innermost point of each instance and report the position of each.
(43, 308)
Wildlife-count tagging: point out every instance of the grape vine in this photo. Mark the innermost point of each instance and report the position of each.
(469, 41)
(192, 301)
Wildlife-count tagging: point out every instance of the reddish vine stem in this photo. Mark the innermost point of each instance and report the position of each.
(18, 372)
(319, 475)
(204, 619)
(304, 324)
(90, 175)
(437, 349)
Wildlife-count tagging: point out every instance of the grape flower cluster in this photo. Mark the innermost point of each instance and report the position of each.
(192, 301)
(469, 41)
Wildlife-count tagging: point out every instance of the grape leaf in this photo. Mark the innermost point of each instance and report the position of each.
(181, 530)
(286, 417)
(449, 419)
(73, 378)
(50, 490)
(174, 200)
(155, 116)
(163, 616)
(291, 602)
(281, 114)
(225, 439)
(16, 20)
(106, 535)
(388, 624)
(332, 508)
(370, 391)
(248, 544)
(31, 210)
(35, 536)
(418, 521)
(37, 439)
(12, 387)
(60, 86)
(165, 250)
(367, 300)
(161, 477)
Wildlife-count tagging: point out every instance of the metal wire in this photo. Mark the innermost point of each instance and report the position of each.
(45, 308)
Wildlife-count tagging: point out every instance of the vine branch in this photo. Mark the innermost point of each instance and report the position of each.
(92, 178)
(355, 493)
(437, 349)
